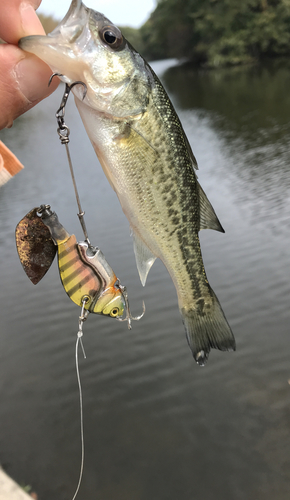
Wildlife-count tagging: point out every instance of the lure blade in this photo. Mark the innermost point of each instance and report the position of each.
(35, 246)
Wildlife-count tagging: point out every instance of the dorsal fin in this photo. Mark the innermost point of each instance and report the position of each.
(144, 258)
(208, 217)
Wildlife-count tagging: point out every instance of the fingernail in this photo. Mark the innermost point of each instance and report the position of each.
(29, 20)
(32, 78)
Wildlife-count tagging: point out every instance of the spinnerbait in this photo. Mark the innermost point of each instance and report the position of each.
(86, 276)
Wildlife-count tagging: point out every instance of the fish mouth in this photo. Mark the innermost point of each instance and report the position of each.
(73, 12)
(57, 48)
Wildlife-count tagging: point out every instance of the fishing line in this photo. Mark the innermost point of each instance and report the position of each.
(82, 318)
(64, 132)
(81, 422)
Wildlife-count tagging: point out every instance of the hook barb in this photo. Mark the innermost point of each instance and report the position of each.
(80, 83)
(68, 87)
(52, 77)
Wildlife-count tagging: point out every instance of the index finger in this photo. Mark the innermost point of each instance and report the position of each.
(18, 19)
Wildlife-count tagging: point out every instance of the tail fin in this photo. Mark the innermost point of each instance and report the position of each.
(206, 327)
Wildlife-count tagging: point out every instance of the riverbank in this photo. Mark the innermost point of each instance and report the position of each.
(10, 490)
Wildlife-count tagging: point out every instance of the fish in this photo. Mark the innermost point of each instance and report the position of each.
(147, 158)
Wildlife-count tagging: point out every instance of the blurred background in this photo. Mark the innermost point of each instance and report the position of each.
(157, 426)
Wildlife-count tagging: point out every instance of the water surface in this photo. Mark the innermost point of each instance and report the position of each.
(157, 426)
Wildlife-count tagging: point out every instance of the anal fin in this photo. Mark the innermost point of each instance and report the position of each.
(208, 217)
(144, 258)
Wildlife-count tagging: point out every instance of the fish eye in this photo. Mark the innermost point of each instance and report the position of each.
(112, 36)
(114, 312)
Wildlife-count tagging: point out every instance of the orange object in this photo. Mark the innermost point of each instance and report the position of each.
(9, 164)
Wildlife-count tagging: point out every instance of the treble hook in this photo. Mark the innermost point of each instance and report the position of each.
(69, 87)
(129, 316)
(61, 110)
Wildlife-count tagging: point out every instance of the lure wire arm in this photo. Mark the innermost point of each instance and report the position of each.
(129, 316)
(64, 132)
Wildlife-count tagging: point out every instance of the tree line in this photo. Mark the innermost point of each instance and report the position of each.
(212, 33)
(216, 33)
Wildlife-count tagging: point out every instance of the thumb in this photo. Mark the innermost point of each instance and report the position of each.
(23, 83)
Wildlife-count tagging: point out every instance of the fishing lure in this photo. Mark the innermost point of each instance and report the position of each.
(84, 271)
(87, 278)
(85, 274)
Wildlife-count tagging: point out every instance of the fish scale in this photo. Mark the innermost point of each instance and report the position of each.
(147, 159)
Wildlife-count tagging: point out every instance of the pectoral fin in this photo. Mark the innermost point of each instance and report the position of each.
(208, 217)
(144, 258)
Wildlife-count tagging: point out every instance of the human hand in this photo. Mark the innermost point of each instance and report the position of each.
(23, 77)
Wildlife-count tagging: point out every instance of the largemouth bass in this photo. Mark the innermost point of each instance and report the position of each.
(147, 159)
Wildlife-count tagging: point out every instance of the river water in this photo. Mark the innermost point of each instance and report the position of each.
(157, 427)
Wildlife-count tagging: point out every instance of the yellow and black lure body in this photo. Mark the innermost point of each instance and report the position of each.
(84, 272)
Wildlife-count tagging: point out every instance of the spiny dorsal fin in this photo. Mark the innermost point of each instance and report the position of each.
(208, 217)
(144, 258)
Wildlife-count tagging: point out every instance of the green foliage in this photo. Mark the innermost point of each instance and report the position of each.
(211, 33)
(168, 30)
(134, 37)
(218, 32)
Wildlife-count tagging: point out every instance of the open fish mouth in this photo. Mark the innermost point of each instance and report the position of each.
(58, 48)
(76, 51)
